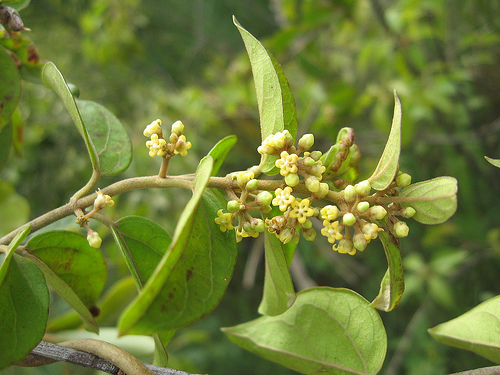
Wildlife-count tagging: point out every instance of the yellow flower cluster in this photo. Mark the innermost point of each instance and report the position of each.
(157, 144)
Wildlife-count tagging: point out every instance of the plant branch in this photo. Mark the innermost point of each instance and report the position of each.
(493, 370)
(110, 359)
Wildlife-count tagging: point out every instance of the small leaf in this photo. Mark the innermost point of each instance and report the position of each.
(72, 259)
(392, 285)
(109, 137)
(220, 150)
(17, 4)
(279, 293)
(10, 87)
(7, 256)
(326, 331)
(24, 308)
(389, 161)
(478, 330)
(495, 162)
(53, 78)
(434, 200)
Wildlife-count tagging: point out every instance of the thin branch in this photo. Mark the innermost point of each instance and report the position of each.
(493, 370)
(46, 353)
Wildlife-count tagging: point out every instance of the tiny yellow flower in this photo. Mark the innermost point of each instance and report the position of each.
(224, 220)
(329, 212)
(332, 231)
(284, 198)
(301, 210)
(287, 164)
(182, 146)
(370, 230)
(103, 200)
(267, 146)
(153, 128)
(157, 146)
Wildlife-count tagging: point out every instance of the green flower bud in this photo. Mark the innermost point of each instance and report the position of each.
(94, 239)
(308, 224)
(233, 206)
(346, 246)
(309, 162)
(401, 229)
(306, 141)
(363, 206)
(292, 179)
(286, 235)
(349, 219)
(377, 212)
(247, 227)
(323, 190)
(359, 241)
(309, 234)
(252, 185)
(243, 178)
(408, 212)
(403, 180)
(266, 209)
(350, 193)
(363, 188)
(258, 225)
(315, 155)
(312, 184)
(289, 139)
(264, 198)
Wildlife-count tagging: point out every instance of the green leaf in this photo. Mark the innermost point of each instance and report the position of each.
(477, 330)
(495, 162)
(53, 79)
(14, 208)
(220, 150)
(434, 200)
(392, 285)
(194, 283)
(10, 87)
(72, 259)
(16, 4)
(24, 308)
(389, 161)
(143, 244)
(279, 293)
(326, 331)
(109, 137)
(5, 144)
(275, 100)
(7, 256)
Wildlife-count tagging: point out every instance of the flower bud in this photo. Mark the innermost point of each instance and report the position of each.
(94, 239)
(312, 184)
(233, 206)
(401, 229)
(377, 212)
(350, 193)
(292, 179)
(243, 177)
(315, 155)
(309, 234)
(286, 235)
(363, 206)
(403, 180)
(346, 247)
(349, 219)
(308, 161)
(258, 225)
(363, 188)
(359, 241)
(264, 198)
(306, 141)
(408, 212)
(178, 128)
(266, 209)
(323, 190)
(252, 185)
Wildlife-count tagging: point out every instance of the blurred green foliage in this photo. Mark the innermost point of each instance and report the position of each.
(185, 60)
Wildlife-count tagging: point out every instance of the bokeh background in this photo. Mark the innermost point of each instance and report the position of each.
(185, 60)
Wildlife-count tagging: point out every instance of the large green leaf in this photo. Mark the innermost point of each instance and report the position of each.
(389, 161)
(196, 281)
(434, 200)
(53, 78)
(279, 293)
(71, 258)
(10, 87)
(274, 98)
(24, 308)
(7, 256)
(109, 137)
(220, 150)
(478, 330)
(392, 285)
(325, 331)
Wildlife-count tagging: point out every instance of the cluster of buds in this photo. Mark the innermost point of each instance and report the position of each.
(349, 225)
(157, 144)
(101, 201)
